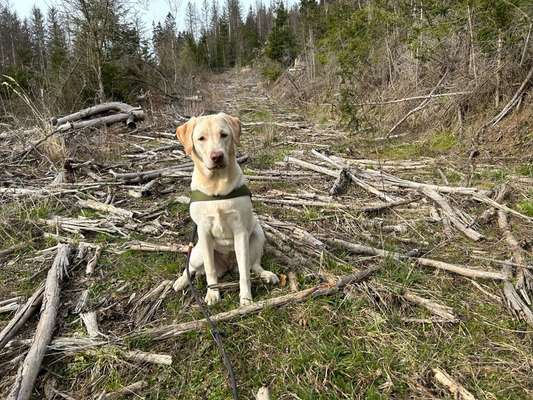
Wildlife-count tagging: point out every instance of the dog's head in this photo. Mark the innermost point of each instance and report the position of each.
(211, 139)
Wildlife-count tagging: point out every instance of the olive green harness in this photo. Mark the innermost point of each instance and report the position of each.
(241, 191)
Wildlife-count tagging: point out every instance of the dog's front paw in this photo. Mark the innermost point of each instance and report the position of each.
(269, 277)
(246, 301)
(212, 297)
(181, 283)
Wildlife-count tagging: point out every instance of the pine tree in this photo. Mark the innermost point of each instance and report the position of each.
(38, 41)
(281, 45)
(55, 43)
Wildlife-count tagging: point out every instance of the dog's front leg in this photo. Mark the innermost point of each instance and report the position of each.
(206, 246)
(242, 253)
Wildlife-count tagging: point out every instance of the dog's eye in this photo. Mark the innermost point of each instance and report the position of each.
(223, 135)
(201, 138)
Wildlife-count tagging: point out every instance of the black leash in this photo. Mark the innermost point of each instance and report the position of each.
(212, 326)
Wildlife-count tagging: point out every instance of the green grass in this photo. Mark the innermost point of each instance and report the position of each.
(525, 170)
(434, 145)
(526, 207)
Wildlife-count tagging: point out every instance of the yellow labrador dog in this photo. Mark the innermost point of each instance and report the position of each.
(221, 207)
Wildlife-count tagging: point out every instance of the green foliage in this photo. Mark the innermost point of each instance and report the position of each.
(271, 69)
(281, 44)
(526, 207)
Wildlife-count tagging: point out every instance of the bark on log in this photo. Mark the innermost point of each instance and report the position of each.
(95, 110)
(27, 374)
(175, 330)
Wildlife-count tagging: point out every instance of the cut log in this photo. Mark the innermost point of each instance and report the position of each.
(27, 374)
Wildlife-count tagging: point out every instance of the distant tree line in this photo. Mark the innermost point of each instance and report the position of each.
(87, 51)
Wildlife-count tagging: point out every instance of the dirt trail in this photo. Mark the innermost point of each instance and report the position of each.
(437, 303)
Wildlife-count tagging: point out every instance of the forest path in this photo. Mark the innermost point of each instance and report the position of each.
(427, 224)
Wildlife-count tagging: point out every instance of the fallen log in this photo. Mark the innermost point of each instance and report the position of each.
(115, 106)
(175, 330)
(27, 374)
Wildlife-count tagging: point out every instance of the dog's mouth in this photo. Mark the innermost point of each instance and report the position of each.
(216, 166)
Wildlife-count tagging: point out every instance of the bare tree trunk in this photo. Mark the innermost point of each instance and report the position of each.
(498, 69)
(472, 56)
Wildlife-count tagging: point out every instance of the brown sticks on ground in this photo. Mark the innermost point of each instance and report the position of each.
(27, 374)
(174, 330)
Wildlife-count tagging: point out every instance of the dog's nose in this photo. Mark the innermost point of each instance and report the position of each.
(217, 156)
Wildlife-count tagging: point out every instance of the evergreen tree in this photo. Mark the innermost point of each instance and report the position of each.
(38, 41)
(281, 45)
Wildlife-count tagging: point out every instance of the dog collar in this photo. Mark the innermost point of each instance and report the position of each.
(241, 191)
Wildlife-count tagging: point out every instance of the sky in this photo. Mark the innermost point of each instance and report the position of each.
(149, 10)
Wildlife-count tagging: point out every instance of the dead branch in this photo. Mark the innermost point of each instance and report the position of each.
(420, 107)
(175, 330)
(439, 310)
(455, 388)
(108, 208)
(21, 316)
(91, 324)
(484, 199)
(27, 374)
(134, 388)
(422, 97)
(524, 282)
(147, 305)
(151, 358)
(451, 214)
(145, 246)
(457, 269)
(513, 102)
(89, 270)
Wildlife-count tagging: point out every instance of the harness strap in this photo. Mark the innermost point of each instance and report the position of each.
(241, 191)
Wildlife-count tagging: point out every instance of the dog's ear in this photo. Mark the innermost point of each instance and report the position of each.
(235, 125)
(184, 134)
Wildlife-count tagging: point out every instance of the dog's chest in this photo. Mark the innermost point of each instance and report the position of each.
(221, 219)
